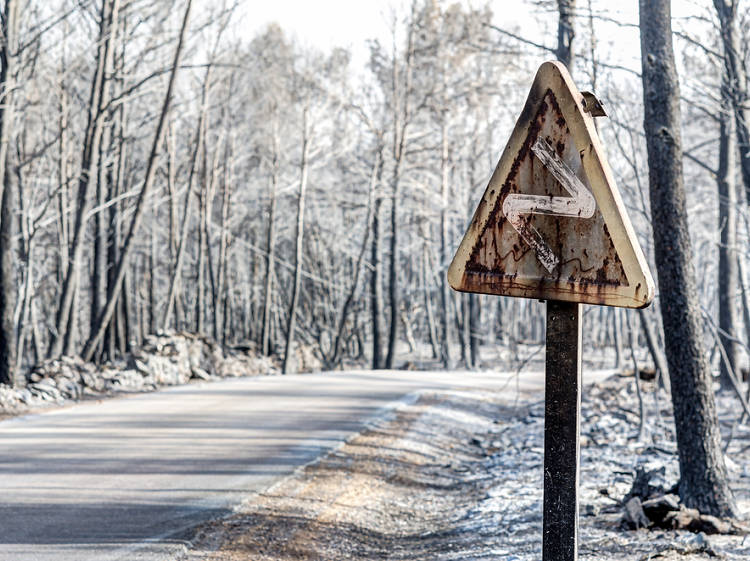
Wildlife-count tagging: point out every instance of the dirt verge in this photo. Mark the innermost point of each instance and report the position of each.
(458, 475)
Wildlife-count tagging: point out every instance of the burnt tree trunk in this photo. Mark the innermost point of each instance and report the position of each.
(703, 478)
(7, 282)
(220, 310)
(7, 245)
(445, 257)
(174, 297)
(394, 266)
(402, 114)
(376, 286)
(200, 290)
(27, 281)
(265, 332)
(375, 177)
(64, 339)
(565, 32)
(736, 82)
(62, 171)
(654, 349)
(116, 338)
(104, 189)
(475, 338)
(211, 304)
(727, 285)
(299, 240)
(430, 314)
(114, 290)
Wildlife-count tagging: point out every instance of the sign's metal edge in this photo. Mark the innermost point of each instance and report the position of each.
(553, 75)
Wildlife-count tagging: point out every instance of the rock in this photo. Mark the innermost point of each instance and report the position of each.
(126, 380)
(45, 391)
(306, 359)
(202, 356)
(698, 540)
(201, 374)
(141, 366)
(712, 525)
(69, 389)
(634, 517)
(657, 508)
(163, 359)
(25, 396)
(692, 520)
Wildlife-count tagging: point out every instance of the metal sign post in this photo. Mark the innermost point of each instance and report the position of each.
(551, 226)
(562, 408)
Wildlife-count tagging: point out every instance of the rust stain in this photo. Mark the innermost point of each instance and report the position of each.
(581, 268)
(508, 185)
(498, 257)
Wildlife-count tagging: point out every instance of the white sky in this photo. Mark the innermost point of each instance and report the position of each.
(341, 23)
(348, 23)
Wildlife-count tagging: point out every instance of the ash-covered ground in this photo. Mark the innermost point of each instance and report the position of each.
(458, 475)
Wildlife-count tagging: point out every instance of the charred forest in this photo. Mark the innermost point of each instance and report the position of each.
(164, 172)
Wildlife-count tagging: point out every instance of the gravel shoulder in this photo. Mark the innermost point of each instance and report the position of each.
(458, 475)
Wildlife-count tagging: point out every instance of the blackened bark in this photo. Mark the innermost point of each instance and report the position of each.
(174, 298)
(103, 193)
(654, 349)
(703, 478)
(64, 340)
(220, 313)
(375, 177)
(7, 245)
(736, 82)
(201, 266)
(153, 264)
(117, 186)
(27, 255)
(287, 367)
(63, 222)
(115, 289)
(445, 256)
(266, 343)
(393, 288)
(7, 285)
(463, 314)
(113, 253)
(474, 329)
(727, 285)
(376, 287)
(565, 32)
(617, 335)
(401, 119)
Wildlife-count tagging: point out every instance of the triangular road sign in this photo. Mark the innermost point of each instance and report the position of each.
(551, 224)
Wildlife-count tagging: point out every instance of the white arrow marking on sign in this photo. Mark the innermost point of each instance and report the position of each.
(581, 203)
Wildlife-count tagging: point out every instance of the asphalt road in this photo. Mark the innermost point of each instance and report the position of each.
(128, 478)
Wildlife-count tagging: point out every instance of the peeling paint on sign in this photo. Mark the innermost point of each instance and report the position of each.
(580, 204)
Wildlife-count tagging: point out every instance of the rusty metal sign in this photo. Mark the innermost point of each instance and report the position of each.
(551, 224)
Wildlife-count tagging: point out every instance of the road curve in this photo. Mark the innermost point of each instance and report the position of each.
(127, 478)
